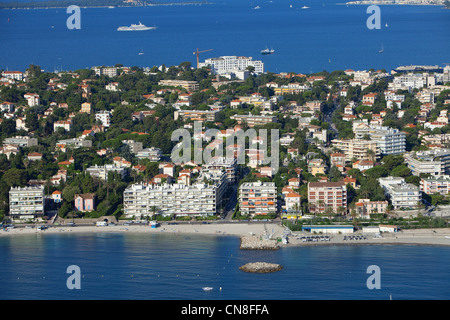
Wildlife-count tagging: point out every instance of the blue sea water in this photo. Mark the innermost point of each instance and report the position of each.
(328, 36)
(129, 266)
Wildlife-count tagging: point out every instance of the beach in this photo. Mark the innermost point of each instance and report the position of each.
(257, 232)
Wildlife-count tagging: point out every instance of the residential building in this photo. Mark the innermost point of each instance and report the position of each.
(254, 120)
(327, 195)
(437, 184)
(188, 85)
(389, 140)
(227, 164)
(14, 75)
(195, 115)
(26, 202)
(232, 64)
(402, 195)
(365, 207)
(21, 141)
(84, 202)
(86, 107)
(435, 162)
(104, 117)
(32, 99)
(153, 154)
(170, 199)
(357, 148)
(102, 172)
(258, 198)
(65, 124)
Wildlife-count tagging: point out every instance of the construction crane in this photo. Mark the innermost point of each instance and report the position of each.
(198, 53)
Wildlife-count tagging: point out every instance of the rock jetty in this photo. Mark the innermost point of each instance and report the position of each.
(261, 267)
(258, 243)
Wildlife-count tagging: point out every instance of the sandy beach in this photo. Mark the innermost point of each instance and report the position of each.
(256, 231)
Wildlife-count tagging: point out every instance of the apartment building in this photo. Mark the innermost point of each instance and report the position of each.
(65, 124)
(258, 198)
(437, 184)
(435, 162)
(104, 117)
(14, 75)
(357, 148)
(32, 99)
(195, 115)
(254, 120)
(188, 85)
(170, 199)
(389, 140)
(325, 195)
(26, 202)
(229, 64)
(102, 172)
(229, 165)
(153, 154)
(402, 195)
(365, 207)
(21, 141)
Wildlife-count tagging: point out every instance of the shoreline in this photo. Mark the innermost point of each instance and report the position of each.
(258, 231)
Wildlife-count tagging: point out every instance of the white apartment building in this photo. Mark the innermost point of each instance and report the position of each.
(101, 172)
(258, 198)
(411, 81)
(403, 195)
(104, 117)
(170, 199)
(32, 99)
(14, 75)
(153, 154)
(435, 162)
(26, 202)
(230, 64)
(223, 163)
(389, 140)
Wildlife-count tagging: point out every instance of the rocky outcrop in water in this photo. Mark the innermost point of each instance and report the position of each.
(261, 267)
(258, 243)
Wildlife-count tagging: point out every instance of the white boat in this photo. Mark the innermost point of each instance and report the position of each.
(135, 27)
(207, 288)
(382, 49)
(257, 7)
(305, 7)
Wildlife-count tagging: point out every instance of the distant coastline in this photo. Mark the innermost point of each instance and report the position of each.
(398, 2)
(52, 4)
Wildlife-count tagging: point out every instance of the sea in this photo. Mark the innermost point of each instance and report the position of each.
(174, 266)
(329, 35)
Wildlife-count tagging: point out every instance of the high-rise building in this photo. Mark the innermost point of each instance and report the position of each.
(232, 64)
(26, 202)
(258, 198)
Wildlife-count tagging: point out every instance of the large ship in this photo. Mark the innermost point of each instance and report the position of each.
(135, 27)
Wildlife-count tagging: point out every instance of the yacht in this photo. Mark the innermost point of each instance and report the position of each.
(135, 27)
